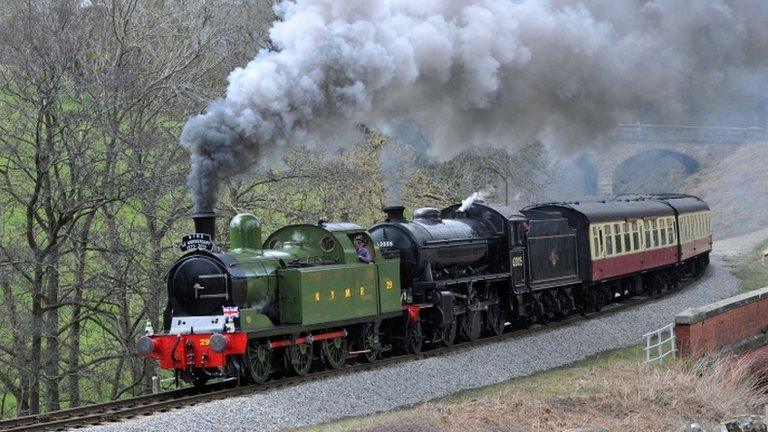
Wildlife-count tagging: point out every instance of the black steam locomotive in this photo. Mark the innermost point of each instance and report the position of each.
(466, 270)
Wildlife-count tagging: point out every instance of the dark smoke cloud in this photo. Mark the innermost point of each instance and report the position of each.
(563, 72)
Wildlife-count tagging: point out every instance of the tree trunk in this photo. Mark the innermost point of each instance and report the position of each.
(154, 294)
(19, 340)
(37, 330)
(80, 248)
(52, 332)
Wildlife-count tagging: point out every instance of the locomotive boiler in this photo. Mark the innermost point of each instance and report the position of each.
(453, 265)
(432, 248)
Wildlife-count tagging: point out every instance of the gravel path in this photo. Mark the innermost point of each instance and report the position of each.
(421, 380)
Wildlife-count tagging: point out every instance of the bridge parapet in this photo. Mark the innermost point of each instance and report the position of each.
(736, 323)
(650, 133)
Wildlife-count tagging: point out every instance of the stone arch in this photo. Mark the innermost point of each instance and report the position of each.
(589, 173)
(661, 171)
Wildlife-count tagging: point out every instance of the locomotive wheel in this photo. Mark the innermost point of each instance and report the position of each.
(554, 309)
(449, 334)
(413, 337)
(537, 309)
(525, 322)
(542, 315)
(495, 319)
(369, 344)
(471, 325)
(258, 361)
(199, 380)
(236, 369)
(599, 300)
(298, 358)
(333, 352)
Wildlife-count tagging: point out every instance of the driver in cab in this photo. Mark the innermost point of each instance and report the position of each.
(362, 253)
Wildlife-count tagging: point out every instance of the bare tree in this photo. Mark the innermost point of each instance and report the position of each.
(49, 157)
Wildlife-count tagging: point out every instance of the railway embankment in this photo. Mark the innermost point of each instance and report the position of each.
(414, 382)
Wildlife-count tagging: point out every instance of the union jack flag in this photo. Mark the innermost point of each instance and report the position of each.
(231, 312)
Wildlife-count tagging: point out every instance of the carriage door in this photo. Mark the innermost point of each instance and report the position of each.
(598, 247)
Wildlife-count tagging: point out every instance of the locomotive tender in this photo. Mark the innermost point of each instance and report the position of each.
(303, 297)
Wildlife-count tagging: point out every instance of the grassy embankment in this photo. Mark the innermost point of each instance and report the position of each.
(612, 391)
(750, 269)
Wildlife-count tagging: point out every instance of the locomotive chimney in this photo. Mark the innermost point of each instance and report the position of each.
(394, 213)
(205, 222)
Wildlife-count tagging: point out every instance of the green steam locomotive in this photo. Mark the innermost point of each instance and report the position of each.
(301, 295)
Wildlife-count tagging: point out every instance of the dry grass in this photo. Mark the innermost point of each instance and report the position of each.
(615, 395)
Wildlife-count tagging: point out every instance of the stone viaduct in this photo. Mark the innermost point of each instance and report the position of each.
(691, 146)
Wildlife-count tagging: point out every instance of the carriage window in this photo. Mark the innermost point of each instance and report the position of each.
(595, 243)
(692, 227)
(647, 230)
(671, 231)
(618, 245)
(608, 240)
(701, 225)
(601, 251)
(682, 228)
(636, 235)
(696, 226)
(628, 245)
(660, 230)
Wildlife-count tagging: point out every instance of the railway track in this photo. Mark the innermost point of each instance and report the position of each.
(117, 410)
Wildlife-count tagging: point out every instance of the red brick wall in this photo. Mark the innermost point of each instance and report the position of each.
(725, 329)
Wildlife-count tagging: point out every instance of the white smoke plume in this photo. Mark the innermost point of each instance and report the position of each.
(467, 202)
(469, 71)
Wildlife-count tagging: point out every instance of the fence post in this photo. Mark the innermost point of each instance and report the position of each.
(155, 385)
(673, 337)
(647, 349)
